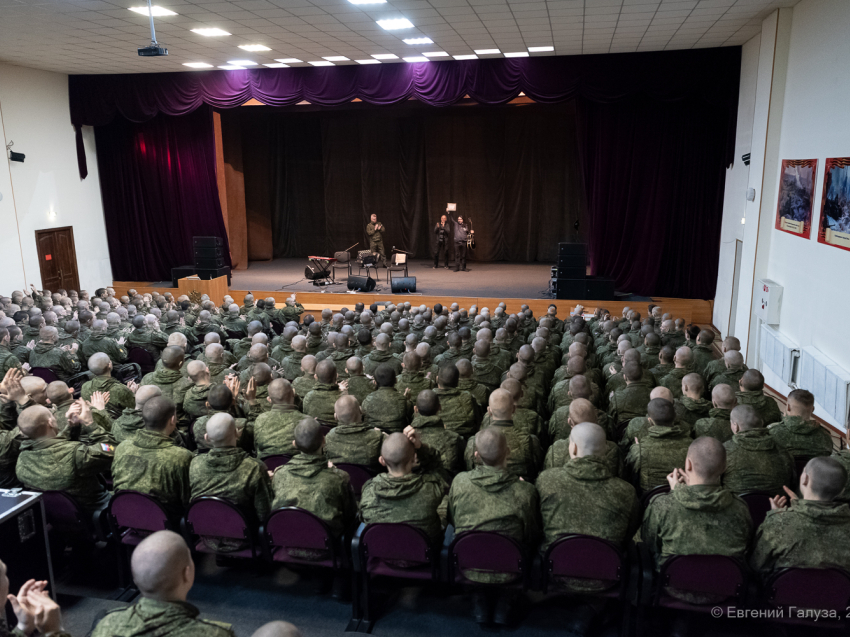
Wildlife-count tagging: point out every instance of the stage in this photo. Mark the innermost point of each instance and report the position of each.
(499, 279)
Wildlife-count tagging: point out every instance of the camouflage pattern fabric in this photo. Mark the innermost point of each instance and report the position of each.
(274, 431)
(153, 617)
(756, 462)
(802, 438)
(387, 409)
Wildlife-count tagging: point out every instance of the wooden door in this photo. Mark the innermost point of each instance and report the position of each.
(57, 259)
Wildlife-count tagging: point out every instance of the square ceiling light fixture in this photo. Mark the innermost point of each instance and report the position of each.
(395, 24)
(155, 11)
(254, 48)
(418, 41)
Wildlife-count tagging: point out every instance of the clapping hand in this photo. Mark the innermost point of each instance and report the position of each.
(250, 390)
(79, 414)
(31, 344)
(780, 501)
(133, 386)
(99, 399)
(121, 340)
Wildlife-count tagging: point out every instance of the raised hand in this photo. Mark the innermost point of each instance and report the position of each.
(99, 400)
(121, 340)
(31, 344)
(413, 435)
(251, 390)
(46, 612)
(133, 386)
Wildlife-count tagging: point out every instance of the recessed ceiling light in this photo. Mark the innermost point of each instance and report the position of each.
(416, 58)
(368, 61)
(436, 54)
(198, 65)
(210, 32)
(418, 41)
(289, 61)
(242, 62)
(336, 58)
(254, 48)
(368, 1)
(385, 56)
(232, 67)
(517, 54)
(396, 23)
(487, 52)
(321, 63)
(540, 49)
(465, 57)
(155, 11)
(277, 65)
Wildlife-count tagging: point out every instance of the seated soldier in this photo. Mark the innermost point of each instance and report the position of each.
(282, 348)
(716, 424)
(428, 423)
(171, 381)
(698, 516)
(630, 401)
(466, 382)
(382, 354)
(583, 497)
(164, 573)
(99, 341)
(560, 394)
(703, 351)
(315, 338)
(386, 408)
(224, 399)
(458, 409)
(663, 448)
(305, 383)
(717, 367)
(214, 356)
(453, 353)
(733, 371)
(130, 422)
(798, 432)
(582, 410)
(666, 364)
(308, 482)
(684, 365)
(639, 427)
(48, 462)
(319, 403)
(49, 355)
(814, 531)
(352, 441)
(152, 463)
(752, 393)
(359, 385)
(229, 472)
(412, 377)
(559, 427)
(484, 368)
(257, 355)
(147, 336)
(274, 430)
(525, 419)
(651, 351)
(691, 406)
(754, 460)
(617, 380)
(195, 400)
(525, 454)
(402, 495)
(120, 396)
(490, 497)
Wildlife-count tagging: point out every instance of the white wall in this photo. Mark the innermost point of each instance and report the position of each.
(35, 115)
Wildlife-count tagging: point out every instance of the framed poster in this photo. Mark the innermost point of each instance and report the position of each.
(796, 196)
(834, 227)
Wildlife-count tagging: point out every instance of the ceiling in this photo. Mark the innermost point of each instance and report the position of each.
(101, 36)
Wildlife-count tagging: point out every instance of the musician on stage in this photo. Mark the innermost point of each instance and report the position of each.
(376, 239)
(461, 233)
(443, 230)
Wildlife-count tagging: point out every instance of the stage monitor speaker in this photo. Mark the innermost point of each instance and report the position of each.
(362, 283)
(342, 257)
(313, 272)
(209, 262)
(403, 284)
(207, 242)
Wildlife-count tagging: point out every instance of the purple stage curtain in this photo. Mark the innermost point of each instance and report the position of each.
(158, 185)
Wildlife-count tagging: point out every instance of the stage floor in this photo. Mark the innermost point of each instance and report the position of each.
(499, 279)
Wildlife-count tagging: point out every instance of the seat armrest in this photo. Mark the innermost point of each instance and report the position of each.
(355, 549)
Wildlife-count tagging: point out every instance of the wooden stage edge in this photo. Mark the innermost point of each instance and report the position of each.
(691, 310)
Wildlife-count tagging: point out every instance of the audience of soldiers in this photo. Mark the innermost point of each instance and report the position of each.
(616, 427)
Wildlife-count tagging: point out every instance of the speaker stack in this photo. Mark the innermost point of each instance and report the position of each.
(210, 258)
(570, 280)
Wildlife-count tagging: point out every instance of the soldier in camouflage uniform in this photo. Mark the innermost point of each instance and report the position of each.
(305, 383)
(48, 354)
(120, 396)
(258, 354)
(234, 323)
(453, 353)
(683, 360)
(172, 382)
(752, 393)
(691, 406)
(148, 338)
(662, 449)
(412, 377)
(282, 345)
(195, 399)
(352, 441)
(292, 311)
(48, 462)
(458, 409)
(402, 495)
(665, 365)
(716, 424)
(754, 460)
(100, 342)
(798, 432)
(319, 402)
(650, 351)
(732, 373)
(631, 401)
(173, 326)
(274, 430)
(164, 573)
(582, 410)
(717, 367)
(381, 355)
(446, 444)
(7, 359)
(214, 356)
(225, 398)
(151, 463)
(814, 531)
(466, 382)
(240, 346)
(130, 422)
(386, 408)
(484, 369)
(308, 482)
(359, 385)
(290, 367)
(524, 419)
(703, 351)
(698, 516)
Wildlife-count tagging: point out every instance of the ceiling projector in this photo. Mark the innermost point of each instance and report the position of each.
(154, 50)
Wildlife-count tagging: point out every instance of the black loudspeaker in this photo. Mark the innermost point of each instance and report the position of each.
(576, 249)
(362, 283)
(209, 262)
(403, 284)
(209, 252)
(207, 242)
(181, 273)
(313, 272)
(571, 272)
(600, 289)
(570, 288)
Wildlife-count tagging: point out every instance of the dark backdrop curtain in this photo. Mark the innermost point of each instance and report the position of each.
(159, 189)
(514, 171)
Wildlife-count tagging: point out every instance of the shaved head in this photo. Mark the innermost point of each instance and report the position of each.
(160, 564)
(589, 439)
(827, 477)
(145, 393)
(57, 392)
(708, 457)
(491, 446)
(733, 359)
(582, 410)
(281, 392)
(347, 410)
(172, 357)
(745, 417)
(501, 405)
(326, 372)
(354, 366)
(661, 392)
(723, 396)
(196, 370)
(277, 629)
(221, 430)
(34, 422)
(308, 436)
(397, 450)
(428, 403)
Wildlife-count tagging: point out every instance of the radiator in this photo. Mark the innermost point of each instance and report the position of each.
(777, 352)
(829, 382)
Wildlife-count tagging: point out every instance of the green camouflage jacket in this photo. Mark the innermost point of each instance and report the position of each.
(59, 361)
(673, 380)
(716, 368)
(690, 410)
(729, 377)
(486, 372)
(660, 372)
(843, 457)
(756, 462)
(307, 482)
(319, 402)
(717, 425)
(290, 367)
(659, 452)
(387, 409)
(153, 464)
(559, 426)
(524, 420)
(174, 386)
(230, 473)
(629, 402)
(703, 355)
(459, 411)
(801, 438)
(355, 443)
(446, 444)
(101, 343)
(10, 449)
(8, 360)
(303, 385)
(130, 422)
(478, 391)
(361, 386)
(415, 381)
(150, 617)
(808, 534)
(246, 429)
(120, 396)
(763, 404)
(558, 455)
(377, 357)
(525, 457)
(150, 340)
(274, 431)
(195, 401)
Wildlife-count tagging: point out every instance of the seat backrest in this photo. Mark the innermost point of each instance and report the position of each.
(648, 495)
(273, 462)
(63, 512)
(291, 527)
(44, 373)
(487, 551)
(358, 474)
(127, 372)
(584, 557)
(386, 541)
(136, 510)
(821, 588)
(707, 574)
(758, 503)
(143, 358)
(233, 335)
(216, 517)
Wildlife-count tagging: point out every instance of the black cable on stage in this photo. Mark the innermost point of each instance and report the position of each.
(291, 284)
